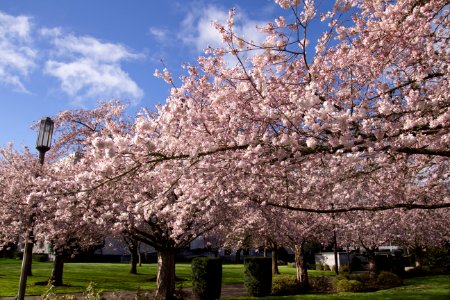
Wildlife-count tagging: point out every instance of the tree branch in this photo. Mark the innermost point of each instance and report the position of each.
(407, 206)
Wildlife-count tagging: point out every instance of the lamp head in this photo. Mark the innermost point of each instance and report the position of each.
(44, 140)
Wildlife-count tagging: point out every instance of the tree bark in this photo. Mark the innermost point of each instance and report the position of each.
(26, 266)
(300, 264)
(335, 250)
(57, 271)
(165, 279)
(373, 266)
(134, 258)
(29, 259)
(133, 247)
(418, 256)
(238, 255)
(139, 254)
(274, 248)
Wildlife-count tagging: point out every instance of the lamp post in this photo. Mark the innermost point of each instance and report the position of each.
(43, 144)
(335, 244)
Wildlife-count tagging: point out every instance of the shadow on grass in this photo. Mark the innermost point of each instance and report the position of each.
(46, 283)
(177, 279)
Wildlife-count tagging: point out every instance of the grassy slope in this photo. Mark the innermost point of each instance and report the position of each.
(421, 288)
(108, 277)
(113, 277)
(76, 276)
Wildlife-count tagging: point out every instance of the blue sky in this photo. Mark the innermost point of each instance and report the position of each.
(59, 55)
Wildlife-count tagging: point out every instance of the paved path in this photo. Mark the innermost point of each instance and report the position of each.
(229, 291)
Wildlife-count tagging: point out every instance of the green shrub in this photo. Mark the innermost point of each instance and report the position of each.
(284, 285)
(415, 272)
(206, 278)
(346, 285)
(356, 264)
(40, 257)
(397, 266)
(388, 280)
(258, 276)
(344, 269)
(426, 269)
(342, 276)
(310, 266)
(363, 277)
(320, 284)
(438, 259)
(319, 267)
(326, 267)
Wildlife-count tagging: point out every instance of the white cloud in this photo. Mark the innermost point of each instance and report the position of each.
(16, 53)
(158, 33)
(51, 32)
(89, 68)
(197, 28)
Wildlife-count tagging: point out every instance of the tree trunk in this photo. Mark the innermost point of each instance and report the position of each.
(134, 261)
(275, 259)
(373, 266)
(26, 266)
(418, 256)
(238, 255)
(139, 254)
(349, 260)
(58, 268)
(29, 253)
(165, 279)
(133, 247)
(335, 250)
(300, 264)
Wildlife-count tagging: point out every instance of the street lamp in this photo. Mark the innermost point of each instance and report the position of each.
(43, 144)
(44, 140)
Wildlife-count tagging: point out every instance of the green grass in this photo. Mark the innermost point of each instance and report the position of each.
(115, 277)
(107, 277)
(77, 276)
(421, 288)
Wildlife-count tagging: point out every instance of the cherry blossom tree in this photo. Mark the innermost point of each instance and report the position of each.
(19, 193)
(371, 96)
(352, 123)
(157, 203)
(60, 211)
(25, 184)
(324, 109)
(62, 221)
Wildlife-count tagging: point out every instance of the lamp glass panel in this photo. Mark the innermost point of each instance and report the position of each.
(45, 133)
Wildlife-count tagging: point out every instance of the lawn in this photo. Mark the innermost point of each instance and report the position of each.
(77, 276)
(420, 288)
(108, 277)
(115, 277)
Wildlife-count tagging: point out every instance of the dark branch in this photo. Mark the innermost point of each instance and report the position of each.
(425, 151)
(83, 124)
(362, 208)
